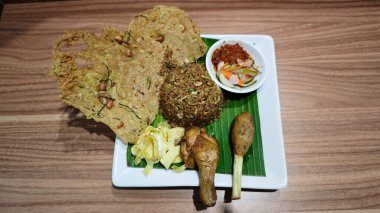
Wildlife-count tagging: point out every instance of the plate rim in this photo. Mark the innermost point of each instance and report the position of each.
(272, 141)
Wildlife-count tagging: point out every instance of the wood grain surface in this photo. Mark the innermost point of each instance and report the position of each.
(328, 63)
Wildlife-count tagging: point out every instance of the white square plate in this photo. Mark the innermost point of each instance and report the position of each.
(271, 132)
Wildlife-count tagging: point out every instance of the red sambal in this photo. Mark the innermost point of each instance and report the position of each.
(229, 53)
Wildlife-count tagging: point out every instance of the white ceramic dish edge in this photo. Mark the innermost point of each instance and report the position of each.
(271, 131)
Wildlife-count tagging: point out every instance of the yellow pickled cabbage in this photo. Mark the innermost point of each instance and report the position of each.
(158, 145)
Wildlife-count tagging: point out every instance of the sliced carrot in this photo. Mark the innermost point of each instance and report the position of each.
(223, 66)
(227, 74)
(241, 83)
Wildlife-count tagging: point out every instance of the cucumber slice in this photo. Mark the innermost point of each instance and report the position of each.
(225, 81)
(247, 71)
(249, 84)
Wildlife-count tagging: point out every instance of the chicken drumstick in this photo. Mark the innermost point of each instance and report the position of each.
(198, 146)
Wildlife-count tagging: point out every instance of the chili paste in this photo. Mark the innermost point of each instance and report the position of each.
(229, 53)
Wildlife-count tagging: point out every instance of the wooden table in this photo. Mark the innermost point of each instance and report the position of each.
(328, 61)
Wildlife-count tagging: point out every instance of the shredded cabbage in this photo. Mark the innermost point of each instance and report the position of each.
(158, 145)
(179, 169)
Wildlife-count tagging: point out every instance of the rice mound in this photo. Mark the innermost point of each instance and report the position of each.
(188, 97)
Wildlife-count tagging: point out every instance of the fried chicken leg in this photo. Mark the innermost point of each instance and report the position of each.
(204, 150)
(191, 136)
(206, 155)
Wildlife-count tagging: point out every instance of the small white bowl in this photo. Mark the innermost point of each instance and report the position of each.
(252, 51)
